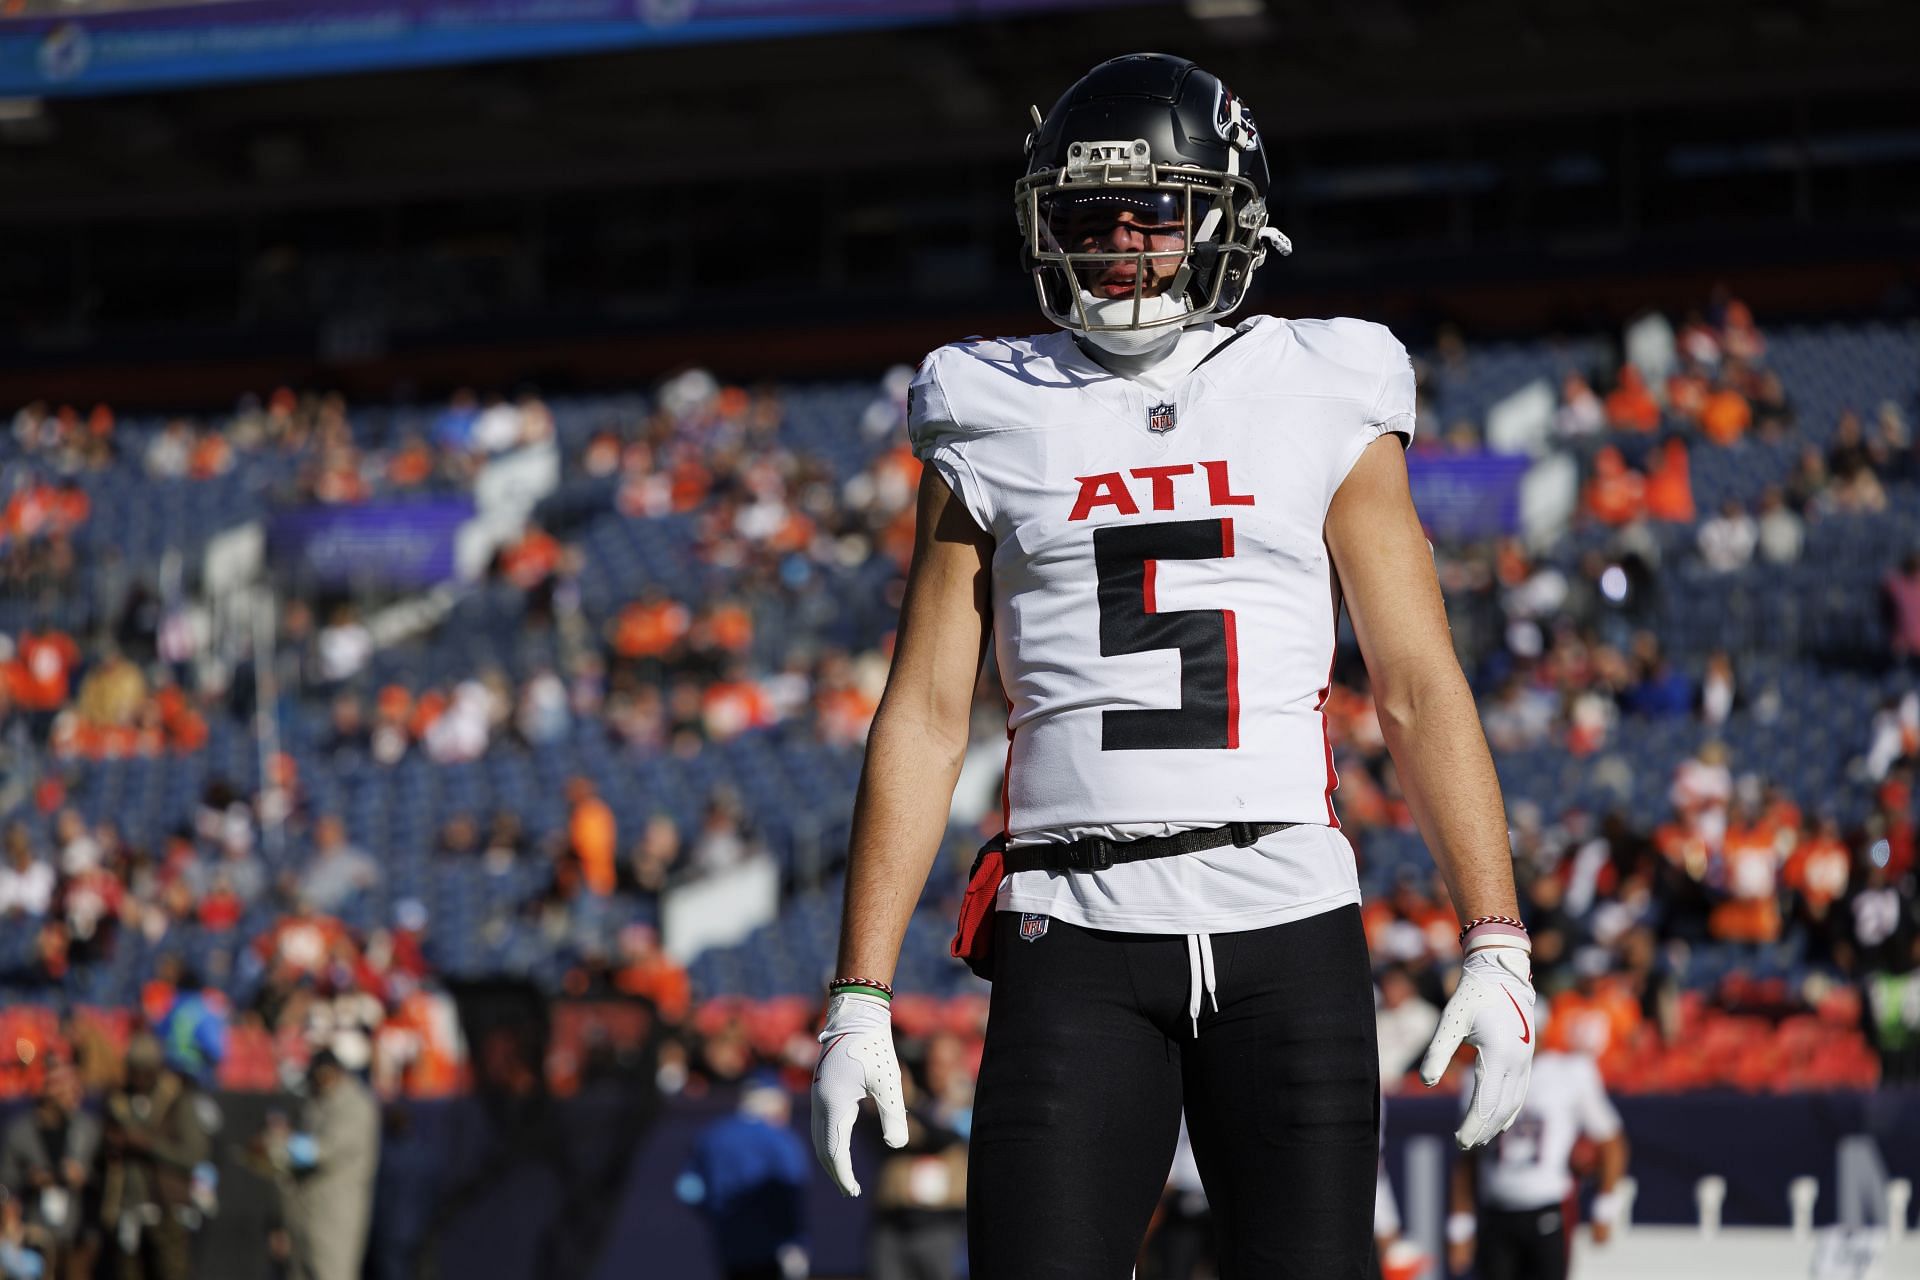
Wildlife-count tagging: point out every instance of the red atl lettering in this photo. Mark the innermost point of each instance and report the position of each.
(1162, 478)
(1220, 489)
(1109, 489)
(1104, 490)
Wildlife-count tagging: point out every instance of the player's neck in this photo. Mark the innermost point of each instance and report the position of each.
(1131, 365)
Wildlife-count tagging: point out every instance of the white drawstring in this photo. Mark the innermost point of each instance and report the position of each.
(1199, 976)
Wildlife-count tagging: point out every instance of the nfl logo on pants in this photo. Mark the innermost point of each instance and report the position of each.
(1032, 927)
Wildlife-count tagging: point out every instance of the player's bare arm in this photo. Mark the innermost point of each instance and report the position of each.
(1433, 730)
(1426, 710)
(919, 734)
(1607, 1205)
(1461, 1225)
(914, 751)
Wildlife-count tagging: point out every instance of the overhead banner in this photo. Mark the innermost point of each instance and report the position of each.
(397, 544)
(1464, 497)
(130, 46)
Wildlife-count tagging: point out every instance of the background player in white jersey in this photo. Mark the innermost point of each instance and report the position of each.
(1522, 1183)
(1156, 518)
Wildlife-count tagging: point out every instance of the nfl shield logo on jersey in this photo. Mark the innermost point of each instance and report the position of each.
(1160, 419)
(1033, 927)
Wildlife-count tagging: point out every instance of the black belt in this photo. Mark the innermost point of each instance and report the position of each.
(1094, 853)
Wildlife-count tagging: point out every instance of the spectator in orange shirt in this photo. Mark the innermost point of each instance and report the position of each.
(211, 455)
(44, 671)
(420, 1047)
(1616, 494)
(427, 709)
(842, 709)
(690, 481)
(1819, 869)
(1725, 416)
(1630, 406)
(34, 509)
(301, 941)
(339, 482)
(1687, 390)
(411, 464)
(651, 626)
(593, 834)
(647, 972)
(734, 704)
(532, 560)
(1670, 484)
(1750, 862)
(185, 729)
(731, 626)
(1597, 1016)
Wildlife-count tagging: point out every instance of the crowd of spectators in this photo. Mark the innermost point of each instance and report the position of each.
(1625, 905)
(1719, 394)
(1619, 902)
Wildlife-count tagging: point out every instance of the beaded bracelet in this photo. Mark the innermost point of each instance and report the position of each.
(1477, 921)
(864, 986)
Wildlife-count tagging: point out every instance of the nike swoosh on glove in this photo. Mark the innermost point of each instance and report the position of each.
(856, 1061)
(1492, 1010)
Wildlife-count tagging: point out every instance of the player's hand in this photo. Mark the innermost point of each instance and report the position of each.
(856, 1061)
(1459, 1257)
(1607, 1208)
(1492, 1010)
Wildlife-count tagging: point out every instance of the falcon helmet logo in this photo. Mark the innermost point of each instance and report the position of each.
(1160, 419)
(1033, 927)
(1233, 122)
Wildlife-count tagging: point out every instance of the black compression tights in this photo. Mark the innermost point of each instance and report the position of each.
(1090, 1057)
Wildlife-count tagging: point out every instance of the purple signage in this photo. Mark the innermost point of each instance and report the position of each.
(1465, 497)
(399, 544)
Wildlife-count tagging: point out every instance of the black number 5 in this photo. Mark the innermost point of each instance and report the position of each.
(1208, 717)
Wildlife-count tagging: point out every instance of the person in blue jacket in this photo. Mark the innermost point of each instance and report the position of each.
(748, 1177)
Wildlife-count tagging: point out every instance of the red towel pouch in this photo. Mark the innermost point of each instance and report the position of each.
(973, 941)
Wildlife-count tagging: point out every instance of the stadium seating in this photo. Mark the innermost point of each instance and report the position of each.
(1804, 635)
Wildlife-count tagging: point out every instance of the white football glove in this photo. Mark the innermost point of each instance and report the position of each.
(1492, 1010)
(856, 1061)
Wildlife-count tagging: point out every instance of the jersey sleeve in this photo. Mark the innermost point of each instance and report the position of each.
(1389, 381)
(1598, 1118)
(939, 440)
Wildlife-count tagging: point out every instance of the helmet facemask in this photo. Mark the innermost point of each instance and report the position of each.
(1120, 245)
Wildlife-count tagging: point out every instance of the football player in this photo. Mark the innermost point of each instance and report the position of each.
(1523, 1182)
(1156, 517)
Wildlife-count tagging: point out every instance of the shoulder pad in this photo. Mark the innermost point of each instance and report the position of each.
(930, 419)
(1369, 349)
(970, 388)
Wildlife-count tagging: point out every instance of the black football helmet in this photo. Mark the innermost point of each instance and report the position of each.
(1144, 203)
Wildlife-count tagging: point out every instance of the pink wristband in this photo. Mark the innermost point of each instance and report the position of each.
(1495, 932)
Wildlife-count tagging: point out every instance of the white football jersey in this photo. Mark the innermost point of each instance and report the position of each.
(1164, 606)
(1526, 1167)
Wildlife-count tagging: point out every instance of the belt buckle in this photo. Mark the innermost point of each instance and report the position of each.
(1096, 854)
(1244, 836)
